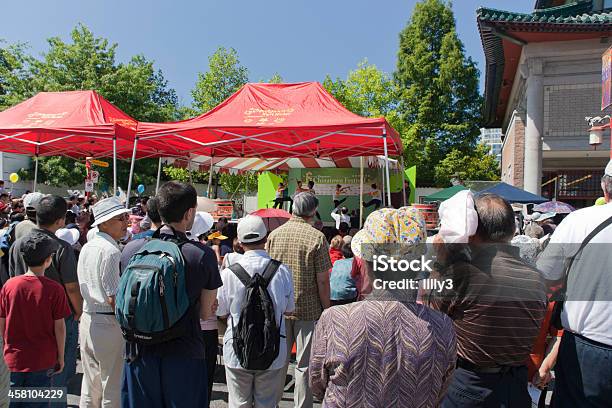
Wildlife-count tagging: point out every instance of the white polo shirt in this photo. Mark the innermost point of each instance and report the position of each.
(98, 271)
(231, 295)
(591, 314)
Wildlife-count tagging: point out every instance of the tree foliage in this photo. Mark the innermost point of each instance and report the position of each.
(225, 76)
(439, 102)
(88, 62)
(234, 184)
(182, 175)
(477, 166)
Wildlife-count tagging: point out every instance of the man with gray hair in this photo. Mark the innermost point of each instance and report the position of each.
(306, 252)
(583, 373)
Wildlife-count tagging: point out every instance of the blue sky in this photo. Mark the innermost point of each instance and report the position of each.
(301, 40)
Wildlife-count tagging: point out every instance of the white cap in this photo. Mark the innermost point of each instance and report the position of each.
(202, 223)
(70, 235)
(106, 209)
(608, 171)
(32, 200)
(251, 229)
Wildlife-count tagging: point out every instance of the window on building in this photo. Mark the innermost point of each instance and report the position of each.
(607, 4)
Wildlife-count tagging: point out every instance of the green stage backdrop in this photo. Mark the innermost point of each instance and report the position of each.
(325, 183)
(266, 189)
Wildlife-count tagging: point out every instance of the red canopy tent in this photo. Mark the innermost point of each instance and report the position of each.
(276, 121)
(75, 124)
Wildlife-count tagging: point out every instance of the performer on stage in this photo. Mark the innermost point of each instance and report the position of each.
(337, 193)
(300, 189)
(282, 196)
(376, 198)
(312, 191)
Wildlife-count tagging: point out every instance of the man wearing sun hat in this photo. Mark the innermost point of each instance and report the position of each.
(261, 386)
(101, 339)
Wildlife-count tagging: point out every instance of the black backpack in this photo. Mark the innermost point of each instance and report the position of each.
(256, 338)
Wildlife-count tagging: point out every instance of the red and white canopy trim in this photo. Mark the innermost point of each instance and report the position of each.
(240, 165)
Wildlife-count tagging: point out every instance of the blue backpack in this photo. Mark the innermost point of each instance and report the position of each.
(152, 304)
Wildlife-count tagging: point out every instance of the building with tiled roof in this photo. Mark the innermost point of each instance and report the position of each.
(543, 77)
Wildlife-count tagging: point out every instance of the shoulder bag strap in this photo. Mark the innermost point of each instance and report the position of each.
(241, 274)
(270, 270)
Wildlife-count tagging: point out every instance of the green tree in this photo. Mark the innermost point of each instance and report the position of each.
(234, 184)
(225, 76)
(367, 91)
(478, 166)
(440, 105)
(276, 79)
(88, 62)
(14, 73)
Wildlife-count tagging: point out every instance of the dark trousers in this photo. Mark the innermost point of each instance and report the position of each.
(373, 202)
(338, 202)
(27, 380)
(583, 373)
(500, 390)
(211, 343)
(157, 382)
(278, 202)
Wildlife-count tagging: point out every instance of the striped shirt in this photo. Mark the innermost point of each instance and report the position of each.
(382, 354)
(497, 304)
(98, 271)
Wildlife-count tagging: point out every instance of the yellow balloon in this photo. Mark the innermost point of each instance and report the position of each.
(14, 177)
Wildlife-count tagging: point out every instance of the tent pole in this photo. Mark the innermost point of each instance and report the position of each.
(189, 169)
(382, 189)
(129, 189)
(115, 164)
(35, 170)
(360, 191)
(210, 175)
(159, 165)
(387, 167)
(403, 182)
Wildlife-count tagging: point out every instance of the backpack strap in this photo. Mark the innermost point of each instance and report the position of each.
(241, 274)
(270, 270)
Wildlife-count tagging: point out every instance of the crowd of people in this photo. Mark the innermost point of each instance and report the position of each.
(142, 294)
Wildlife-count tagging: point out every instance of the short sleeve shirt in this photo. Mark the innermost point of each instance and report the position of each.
(587, 310)
(31, 304)
(305, 251)
(63, 267)
(201, 272)
(231, 296)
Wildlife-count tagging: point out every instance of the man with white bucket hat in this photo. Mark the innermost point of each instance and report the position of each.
(100, 335)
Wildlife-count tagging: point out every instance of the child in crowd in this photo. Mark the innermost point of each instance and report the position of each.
(32, 313)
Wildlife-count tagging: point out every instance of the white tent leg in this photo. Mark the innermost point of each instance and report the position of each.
(189, 169)
(387, 168)
(159, 166)
(360, 191)
(403, 183)
(115, 164)
(210, 176)
(35, 172)
(129, 189)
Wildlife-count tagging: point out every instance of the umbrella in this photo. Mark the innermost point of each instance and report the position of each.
(557, 207)
(273, 217)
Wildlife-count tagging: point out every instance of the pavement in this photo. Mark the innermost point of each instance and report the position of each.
(219, 398)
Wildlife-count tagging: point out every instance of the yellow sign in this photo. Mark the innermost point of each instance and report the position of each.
(99, 163)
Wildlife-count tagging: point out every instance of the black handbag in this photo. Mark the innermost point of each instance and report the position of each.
(559, 296)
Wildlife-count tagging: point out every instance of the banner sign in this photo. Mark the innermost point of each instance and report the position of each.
(326, 180)
(606, 79)
(99, 163)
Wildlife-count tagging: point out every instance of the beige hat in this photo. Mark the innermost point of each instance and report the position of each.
(106, 209)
